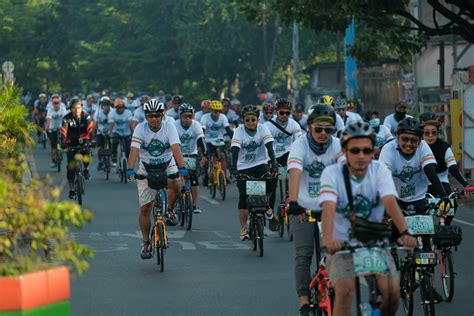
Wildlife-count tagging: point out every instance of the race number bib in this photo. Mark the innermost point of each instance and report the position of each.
(255, 187)
(370, 261)
(420, 224)
(190, 163)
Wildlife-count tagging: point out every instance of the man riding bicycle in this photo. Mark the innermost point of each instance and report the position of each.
(191, 136)
(155, 142)
(40, 109)
(54, 118)
(120, 124)
(374, 192)
(300, 117)
(76, 130)
(102, 125)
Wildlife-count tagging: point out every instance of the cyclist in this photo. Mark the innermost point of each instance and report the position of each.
(91, 107)
(235, 106)
(445, 161)
(120, 125)
(284, 131)
(300, 117)
(129, 102)
(205, 108)
(155, 141)
(102, 124)
(191, 136)
(139, 114)
(371, 183)
(340, 105)
(252, 148)
(382, 133)
(215, 125)
(232, 117)
(40, 113)
(76, 130)
(267, 112)
(54, 117)
(326, 99)
(176, 102)
(308, 157)
(391, 121)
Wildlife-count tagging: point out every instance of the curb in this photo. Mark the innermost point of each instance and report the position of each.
(31, 166)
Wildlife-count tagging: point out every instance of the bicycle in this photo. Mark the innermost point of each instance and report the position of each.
(105, 154)
(217, 178)
(157, 180)
(283, 218)
(257, 203)
(79, 179)
(186, 202)
(122, 161)
(417, 268)
(59, 153)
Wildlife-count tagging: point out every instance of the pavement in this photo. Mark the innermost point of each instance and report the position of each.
(208, 271)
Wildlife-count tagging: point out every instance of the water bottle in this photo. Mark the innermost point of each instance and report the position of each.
(366, 309)
(376, 312)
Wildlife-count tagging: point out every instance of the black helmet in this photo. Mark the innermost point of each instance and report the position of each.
(429, 118)
(249, 109)
(357, 130)
(226, 101)
(74, 101)
(400, 103)
(409, 125)
(368, 115)
(299, 107)
(322, 111)
(283, 103)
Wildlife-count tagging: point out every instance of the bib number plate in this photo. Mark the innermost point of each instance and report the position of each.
(370, 261)
(190, 163)
(282, 173)
(256, 187)
(420, 224)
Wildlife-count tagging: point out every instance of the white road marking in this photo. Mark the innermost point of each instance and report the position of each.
(215, 232)
(137, 235)
(175, 234)
(118, 247)
(463, 222)
(113, 234)
(223, 245)
(184, 244)
(209, 200)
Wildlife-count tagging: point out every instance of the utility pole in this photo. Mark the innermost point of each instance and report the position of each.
(296, 62)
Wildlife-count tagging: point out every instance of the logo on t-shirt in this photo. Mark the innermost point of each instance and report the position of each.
(156, 148)
(251, 146)
(315, 169)
(185, 138)
(407, 173)
(280, 138)
(379, 141)
(363, 206)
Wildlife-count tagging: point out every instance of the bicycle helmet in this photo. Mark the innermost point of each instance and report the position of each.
(42, 95)
(268, 106)
(177, 98)
(299, 107)
(185, 108)
(283, 103)
(119, 102)
(104, 99)
(216, 105)
(326, 99)
(74, 101)
(226, 101)
(206, 104)
(357, 130)
(321, 112)
(153, 106)
(409, 125)
(235, 101)
(340, 104)
(400, 103)
(429, 118)
(249, 109)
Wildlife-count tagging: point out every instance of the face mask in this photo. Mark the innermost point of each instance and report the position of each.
(374, 122)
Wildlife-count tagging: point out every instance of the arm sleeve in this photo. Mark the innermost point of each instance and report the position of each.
(235, 142)
(430, 171)
(270, 151)
(235, 155)
(454, 171)
(202, 145)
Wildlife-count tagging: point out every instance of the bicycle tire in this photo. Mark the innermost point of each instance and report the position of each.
(426, 293)
(188, 211)
(281, 224)
(407, 288)
(447, 275)
(107, 168)
(252, 234)
(44, 140)
(162, 246)
(59, 158)
(124, 169)
(222, 185)
(259, 234)
(78, 190)
(289, 234)
(82, 184)
(181, 212)
(153, 244)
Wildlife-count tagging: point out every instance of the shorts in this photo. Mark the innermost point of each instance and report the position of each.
(147, 194)
(211, 149)
(256, 171)
(53, 138)
(100, 141)
(341, 267)
(194, 174)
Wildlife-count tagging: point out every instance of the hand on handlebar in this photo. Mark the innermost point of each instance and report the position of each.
(407, 241)
(130, 174)
(233, 172)
(332, 246)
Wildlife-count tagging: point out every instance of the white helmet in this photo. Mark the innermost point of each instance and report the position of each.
(153, 105)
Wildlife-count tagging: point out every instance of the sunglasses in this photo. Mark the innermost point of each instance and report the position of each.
(413, 140)
(250, 120)
(154, 115)
(327, 130)
(432, 133)
(284, 113)
(340, 110)
(187, 116)
(267, 113)
(119, 107)
(357, 150)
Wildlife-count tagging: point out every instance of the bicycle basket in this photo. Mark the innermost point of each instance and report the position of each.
(156, 176)
(447, 236)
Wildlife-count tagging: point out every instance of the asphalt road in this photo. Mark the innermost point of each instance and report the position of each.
(208, 271)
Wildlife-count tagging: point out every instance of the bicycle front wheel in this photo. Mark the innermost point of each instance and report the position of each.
(407, 288)
(259, 234)
(78, 188)
(447, 274)
(281, 221)
(188, 211)
(124, 170)
(161, 246)
(426, 293)
(222, 185)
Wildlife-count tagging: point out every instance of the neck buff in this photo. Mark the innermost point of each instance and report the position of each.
(399, 116)
(318, 149)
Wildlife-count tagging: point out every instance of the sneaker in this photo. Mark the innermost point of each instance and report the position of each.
(87, 174)
(269, 213)
(146, 250)
(244, 235)
(100, 166)
(114, 164)
(172, 218)
(437, 298)
(196, 210)
(72, 194)
(305, 310)
(272, 224)
(52, 165)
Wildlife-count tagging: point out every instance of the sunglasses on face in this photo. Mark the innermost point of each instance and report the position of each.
(154, 115)
(340, 110)
(250, 120)
(413, 140)
(187, 116)
(320, 129)
(119, 107)
(430, 133)
(268, 113)
(286, 113)
(357, 150)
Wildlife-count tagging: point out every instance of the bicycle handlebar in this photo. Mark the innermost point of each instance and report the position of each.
(246, 177)
(348, 247)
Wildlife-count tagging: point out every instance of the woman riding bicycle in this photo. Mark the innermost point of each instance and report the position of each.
(252, 148)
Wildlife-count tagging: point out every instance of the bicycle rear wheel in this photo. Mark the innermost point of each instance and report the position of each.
(447, 274)
(78, 189)
(259, 234)
(426, 293)
(407, 288)
(222, 185)
(188, 211)
(161, 246)
(281, 221)
(107, 167)
(289, 234)
(59, 158)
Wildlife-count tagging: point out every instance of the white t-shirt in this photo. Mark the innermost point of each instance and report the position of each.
(282, 142)
(103, 122)
(408, 175)
(213, 130)
(391, 123)
(350, 118)
(366, 193)
(252, 148)
(173, 113)
(450, 161)
(303, 122)
(382, 136)
(339, 124)
(155, 148)
(56, 117)
(311, 166)
(121, 122)
(189, 136)
(262, 120)
(232, 116)
(198, 115)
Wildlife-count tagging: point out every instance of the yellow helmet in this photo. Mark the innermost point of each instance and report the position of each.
(326, 99)
(216, 105)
